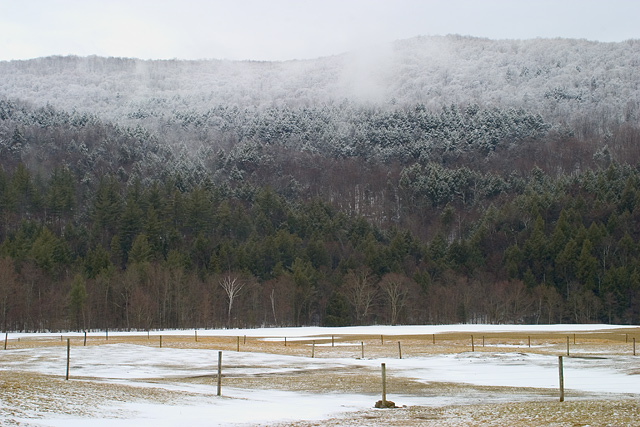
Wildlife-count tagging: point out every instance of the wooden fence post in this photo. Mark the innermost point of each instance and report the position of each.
(399, 350)
(332, 342)
(362, 349)
(68, 357)
(85, 338)
(219, 372)
(472, 346)
(529, 341)
(561, 375)
(381, 340)
(434, 339)
(160, 341)
(634, 346)
(238, 343)
(567, 346)
(6, 337)
(196, 332)
(384, 385)
(313, 349)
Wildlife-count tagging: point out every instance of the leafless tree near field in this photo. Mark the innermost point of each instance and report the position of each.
(232, 287)
(395, 288)
(360, 292)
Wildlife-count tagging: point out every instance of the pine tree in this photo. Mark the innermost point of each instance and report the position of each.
(77, 299)
(141, 252)
(587, 266)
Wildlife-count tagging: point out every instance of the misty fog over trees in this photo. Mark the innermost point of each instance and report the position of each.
(435, 180)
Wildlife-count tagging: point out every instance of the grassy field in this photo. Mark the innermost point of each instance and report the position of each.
(32, 396)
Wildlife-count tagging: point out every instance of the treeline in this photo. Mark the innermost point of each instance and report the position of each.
(156, 256)
(328, 215)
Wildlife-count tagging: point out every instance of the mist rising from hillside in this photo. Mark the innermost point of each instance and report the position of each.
(571, 80)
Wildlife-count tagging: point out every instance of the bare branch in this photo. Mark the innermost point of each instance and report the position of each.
(232, 286)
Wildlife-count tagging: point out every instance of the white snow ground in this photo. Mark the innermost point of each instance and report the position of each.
(132, 364)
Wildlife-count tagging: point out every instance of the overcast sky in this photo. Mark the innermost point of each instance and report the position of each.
(289, 29)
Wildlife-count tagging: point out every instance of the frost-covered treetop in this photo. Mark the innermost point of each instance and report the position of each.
(566, 78)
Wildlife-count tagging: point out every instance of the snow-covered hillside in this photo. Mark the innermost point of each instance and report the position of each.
(571, 79)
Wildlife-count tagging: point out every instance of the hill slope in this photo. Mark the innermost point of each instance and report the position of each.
(562, 79)
(444, 179)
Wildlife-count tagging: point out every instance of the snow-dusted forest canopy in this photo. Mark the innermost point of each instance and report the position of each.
(562, 79)
(436, 179)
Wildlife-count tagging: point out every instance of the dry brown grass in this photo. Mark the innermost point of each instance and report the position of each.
(598, 413)
(24, 392)
(25, 395)
(612, 342)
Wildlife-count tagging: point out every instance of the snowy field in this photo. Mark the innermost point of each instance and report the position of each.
(129, 380)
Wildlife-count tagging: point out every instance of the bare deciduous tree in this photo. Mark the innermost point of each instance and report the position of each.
(396, 288)
(232, 287)
(360, 292)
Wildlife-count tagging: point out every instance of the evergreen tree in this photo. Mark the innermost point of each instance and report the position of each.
(77, 299)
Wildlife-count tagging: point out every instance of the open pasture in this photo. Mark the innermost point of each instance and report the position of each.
(463, 375)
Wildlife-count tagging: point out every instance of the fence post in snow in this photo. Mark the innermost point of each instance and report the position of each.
(196, 332)
(160, 341)
(634, 346)
(529, 341)
(85, 338)
(313, 348)
(68, 357)
(362, 349)
(6, 337)
(219, 372)
(473, 348)
(567, 346)
(561, 374)
(384, 385)
(238, 343)
(399, 350)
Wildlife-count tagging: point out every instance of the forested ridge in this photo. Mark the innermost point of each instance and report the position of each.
(174, 212)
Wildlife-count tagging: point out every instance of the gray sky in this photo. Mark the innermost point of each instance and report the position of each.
(289, 29)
